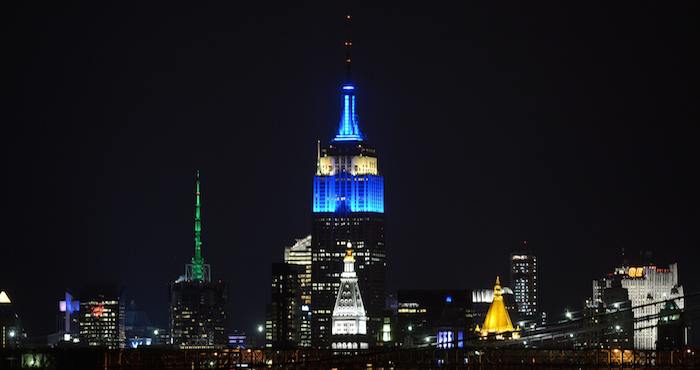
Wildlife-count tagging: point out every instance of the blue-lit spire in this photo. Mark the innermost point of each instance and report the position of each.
(349, 128)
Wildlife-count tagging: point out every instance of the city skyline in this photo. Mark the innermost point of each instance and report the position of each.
(476, 159)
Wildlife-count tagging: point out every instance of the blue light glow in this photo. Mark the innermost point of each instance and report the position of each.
(448, 299)
(445, 339)
(349, 128)
(348, 193)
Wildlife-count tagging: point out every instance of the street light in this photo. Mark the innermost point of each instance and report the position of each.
(261, 328)
(155, 332)
(12, 333)
(568, 315)
(410, 328)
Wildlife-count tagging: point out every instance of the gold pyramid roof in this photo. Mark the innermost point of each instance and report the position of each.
(497, 319)
(4, 298)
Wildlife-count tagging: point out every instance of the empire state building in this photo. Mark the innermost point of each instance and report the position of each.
(348, 207)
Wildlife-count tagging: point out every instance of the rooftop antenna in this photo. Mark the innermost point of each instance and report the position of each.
(348, 46)
(318, 157)
(623, 255)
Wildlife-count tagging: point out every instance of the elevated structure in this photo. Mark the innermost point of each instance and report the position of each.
(348, 206)
(349, 321)
(197, 313)
(497, 324)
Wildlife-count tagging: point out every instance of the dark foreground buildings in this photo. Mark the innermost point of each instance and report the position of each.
(197, 314)
(10, 325)
(283, 324)
(439, 317)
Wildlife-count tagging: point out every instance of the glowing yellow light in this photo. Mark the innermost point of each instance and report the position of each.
(497, 320)
(635, 272)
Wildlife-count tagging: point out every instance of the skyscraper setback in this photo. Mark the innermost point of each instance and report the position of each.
(348, 207)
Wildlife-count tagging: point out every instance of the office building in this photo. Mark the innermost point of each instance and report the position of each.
(609, 323)
(284, 314)
(197, 313)
(348, 207)
(140, 331)
(649, 287)
(300, 254)
(523, 282)
(101, 317)
(431, 317)
(673, 328)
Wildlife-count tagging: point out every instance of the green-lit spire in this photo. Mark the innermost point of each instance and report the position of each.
(197, 260)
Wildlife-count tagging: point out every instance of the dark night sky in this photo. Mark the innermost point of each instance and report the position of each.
(570, 126)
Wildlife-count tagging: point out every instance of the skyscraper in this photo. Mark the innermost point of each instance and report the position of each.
(197, 314)
(284, 314)
(300, 254)
(348, 206)
(523, 281)
(101, 318)
(649, 288)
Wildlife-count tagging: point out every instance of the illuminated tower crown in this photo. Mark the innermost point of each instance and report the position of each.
(349, 317)
(497, 321)
(198, 270)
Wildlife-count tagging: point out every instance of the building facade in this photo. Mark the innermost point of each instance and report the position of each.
(649, 287)
(197, 313)
(523, 282)
(101, 317)
(349, 320)
(348, 207)
(441, 317)
(609, 323)
(300, 254)
(284, 314)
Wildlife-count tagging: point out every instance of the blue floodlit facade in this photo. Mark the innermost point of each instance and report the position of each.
(348, 193)
(342, 188)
